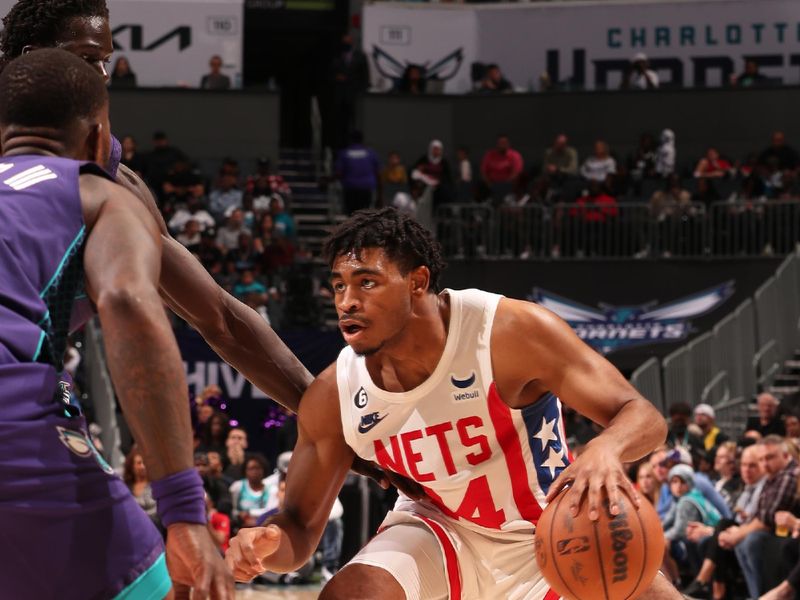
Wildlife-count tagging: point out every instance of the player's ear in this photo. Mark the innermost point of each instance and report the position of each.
(29, 48)
(420, 280)
(96, 150)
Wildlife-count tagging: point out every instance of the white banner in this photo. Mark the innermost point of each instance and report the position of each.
(169, 42)
(590, 44)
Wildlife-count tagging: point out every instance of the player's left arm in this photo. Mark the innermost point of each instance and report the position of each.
(534, 350)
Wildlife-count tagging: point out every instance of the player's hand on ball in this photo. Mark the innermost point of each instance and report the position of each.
(598, 468)
(249, 549)
(193, 560)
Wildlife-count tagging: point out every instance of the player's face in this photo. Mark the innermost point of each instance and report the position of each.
(90, 39)
(372, 299)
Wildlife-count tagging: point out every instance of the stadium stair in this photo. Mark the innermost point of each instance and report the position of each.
(787, 382)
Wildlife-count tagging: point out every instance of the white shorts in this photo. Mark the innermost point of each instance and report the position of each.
(433, 557)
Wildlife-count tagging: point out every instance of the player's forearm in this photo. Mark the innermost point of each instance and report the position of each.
(145, 365)
(296, 546)
(635, 431)
(234, 330)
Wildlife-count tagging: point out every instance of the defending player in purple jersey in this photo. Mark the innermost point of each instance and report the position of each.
(66, 230)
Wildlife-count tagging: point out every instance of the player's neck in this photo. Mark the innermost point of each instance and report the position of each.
(409, 359)
(18, 142)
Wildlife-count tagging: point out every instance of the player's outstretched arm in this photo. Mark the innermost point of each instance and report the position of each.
(121, 260)
(320, 462)
(535, 349)
(234, 330)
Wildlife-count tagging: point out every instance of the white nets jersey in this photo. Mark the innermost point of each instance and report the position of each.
(482, 463)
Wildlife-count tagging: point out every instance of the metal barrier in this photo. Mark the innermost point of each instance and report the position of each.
(678, 385)
(704, 366)
(754, 228)
(731, 416)
(647, 380)
(585, 229)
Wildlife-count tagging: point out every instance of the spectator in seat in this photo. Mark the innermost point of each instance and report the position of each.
(122, 76)
(704, 418)
(667, 154)
(677, 456)
(639, 76)
(751, 77)
(642, 163)
(358, 168)
(135, 477)
(493, 82)
(394, 172)
(502, 164)
(768, 421)
(689, 506)
(191, 235)
(250, 495)
(246, 255)
(412, 82)
(671, 201)
(235, 448)
(215, 79)
(680, 415)
(225, 195)
(778, 494)
(407, 202)
(463, 165)
(792, 425)
(192, 210)
(560, 159)
(712, 165)
(214, 485)
(228, 236)
(214, 433)
(786, 156)
(248, 284)
(719, 565)
(728, 482)
(433, 169)
(161, 160)
(219, 525)
(265, 184)
(646, 483)
(131, 157)
(283, 222)
(600, 164)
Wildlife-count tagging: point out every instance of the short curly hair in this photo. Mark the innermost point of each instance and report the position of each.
(42, 22)
(405, 241)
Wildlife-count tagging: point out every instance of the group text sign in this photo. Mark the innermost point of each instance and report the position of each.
(693, 43)
(170, 42)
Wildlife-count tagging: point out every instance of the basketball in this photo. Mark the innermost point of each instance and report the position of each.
(610, 559)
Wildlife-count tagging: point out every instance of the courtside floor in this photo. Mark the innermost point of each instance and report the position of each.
(274, 592)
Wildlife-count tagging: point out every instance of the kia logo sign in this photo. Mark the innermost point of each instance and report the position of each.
(183, 34)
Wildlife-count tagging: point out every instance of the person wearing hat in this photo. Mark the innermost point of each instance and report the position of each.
(712, 435)
(639, 76)
(690, 506)
(677, 456)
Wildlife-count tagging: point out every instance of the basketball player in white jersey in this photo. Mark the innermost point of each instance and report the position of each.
(460, 391)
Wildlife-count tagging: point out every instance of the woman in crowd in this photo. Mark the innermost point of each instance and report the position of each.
(646, 483)
(214, 433)
(122, 76)
(135, 477)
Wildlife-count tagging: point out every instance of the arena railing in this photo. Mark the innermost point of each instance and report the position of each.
(621, 230)
(739, 357)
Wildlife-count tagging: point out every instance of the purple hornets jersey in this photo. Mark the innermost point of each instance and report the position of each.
(58, 497)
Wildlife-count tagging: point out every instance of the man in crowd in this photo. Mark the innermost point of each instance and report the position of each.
(639, 76)
(768, 421)
(713, 436)
(501, 164)
(779, 493)
(493, 82)
(560, 159)
(215, 79)
(358, 169)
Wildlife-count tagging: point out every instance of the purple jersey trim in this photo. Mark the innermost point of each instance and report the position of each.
(115, 158)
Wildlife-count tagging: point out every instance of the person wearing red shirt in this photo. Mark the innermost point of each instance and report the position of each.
(711, 165)
(501, 164)
(219, 525)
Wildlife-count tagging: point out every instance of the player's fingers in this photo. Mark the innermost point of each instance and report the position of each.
(222, 585)
(202, 583)
(559, 484)
(265, 542)
(594, 497)
(614, 497)
(574, 496)
(627, 486)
